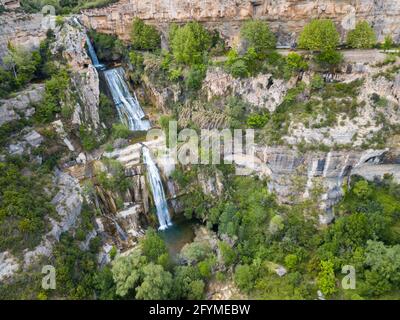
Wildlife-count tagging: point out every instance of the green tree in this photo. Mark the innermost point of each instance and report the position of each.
(195, 252)
(152, 245)
(127, 272)
(362, 37)
(190, 43)
(144, 37)
(157, 283)
(244, 277)
(319, 35)
(326, 278)
(258, 36)
(229, 255)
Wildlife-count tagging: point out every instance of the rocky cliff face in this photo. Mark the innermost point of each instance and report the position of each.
(20, 29)
(287, 17)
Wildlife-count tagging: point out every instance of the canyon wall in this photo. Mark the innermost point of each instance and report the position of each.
(286, 17)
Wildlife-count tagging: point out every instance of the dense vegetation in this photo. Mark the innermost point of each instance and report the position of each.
(255, 234)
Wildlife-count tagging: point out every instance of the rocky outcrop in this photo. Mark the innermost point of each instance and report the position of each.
(20, 29)
(286, 17)
(70, 40)
(8, 265)
(262, 91)
(68, 204)
(22, 105)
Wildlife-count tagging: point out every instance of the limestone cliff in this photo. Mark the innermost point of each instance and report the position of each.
(287, 17)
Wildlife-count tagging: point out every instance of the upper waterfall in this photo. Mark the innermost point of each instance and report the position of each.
(128, 106)
(157, 189)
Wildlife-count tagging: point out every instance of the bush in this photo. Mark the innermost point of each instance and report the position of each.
(329, 59)
(258, 36)
(120, 130)
(257, 121)
(296, 62)
(144, 37)
(190, 43)
(195, 77)
(319, 35)
(362, 37)
(108, 47)
(388, 43)
(317, 82)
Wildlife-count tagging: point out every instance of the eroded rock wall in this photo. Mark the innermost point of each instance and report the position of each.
(287, 17)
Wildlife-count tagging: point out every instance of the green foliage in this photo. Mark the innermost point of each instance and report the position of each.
(326, 278)
(56, 95)
(88, 138)
(329, 59)
(362, 37)
(244, 277)
(76, 269)
(127, 272)
(229, 255)
(258, 36)
(291, 261)
(195, 252)
(114, 179)
(157, 283)
(319, 35)
(195, 77)
(317, 82)
(190, 43)
(153, 245)
(257, 121)
(137, 62)
(144, 37)
(120, 130)
(24, 206)
(296, 62)
(108, 47)
(388, 43)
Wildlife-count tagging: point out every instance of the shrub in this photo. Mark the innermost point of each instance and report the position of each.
(144, 37)
(108, 47)
(388, 43)
(195, 77)
(329, 59)
(317, 82)
(257, 121)
(189, 43)
(319, 35)
(362, 37)
(258, 35)
(120, 130)
(296, 62)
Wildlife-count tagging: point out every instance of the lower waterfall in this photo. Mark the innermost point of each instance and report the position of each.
(157, 190)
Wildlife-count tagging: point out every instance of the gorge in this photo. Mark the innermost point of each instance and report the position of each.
(85, 189)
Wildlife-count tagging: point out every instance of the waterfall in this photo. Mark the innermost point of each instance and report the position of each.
(92, 52)
(93, 55)
(128, 106)
(157, 189)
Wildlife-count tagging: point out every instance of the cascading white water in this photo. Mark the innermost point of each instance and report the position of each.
(92, 54)
(128, 106)
(130, 112)
(157, 189)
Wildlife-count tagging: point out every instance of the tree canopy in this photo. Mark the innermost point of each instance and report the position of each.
(362, 37)
(319, 35)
